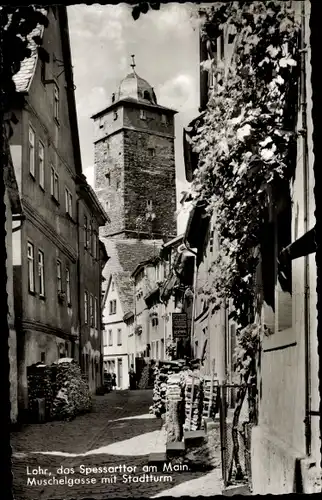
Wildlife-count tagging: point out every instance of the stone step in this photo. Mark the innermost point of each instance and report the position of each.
(157, 458)
(176, 448)
(194, 438)
(235, 489)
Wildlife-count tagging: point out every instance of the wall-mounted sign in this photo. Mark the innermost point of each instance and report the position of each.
(179, 326)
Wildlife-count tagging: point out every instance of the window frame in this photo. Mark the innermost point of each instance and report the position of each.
(91, 310)
(31, 267)
(112, 309)
(54, 183)
(86, 307)
(119, 337)
(41, 273)
(68, 202)
(68, 287)
(32, 151)
(56, 103)
(142, 114)
(110, 338)
(41, 164)
(95, 313)
(59, 278)
(85, 231)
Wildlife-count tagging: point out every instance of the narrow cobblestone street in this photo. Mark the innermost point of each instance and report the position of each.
(118, 432)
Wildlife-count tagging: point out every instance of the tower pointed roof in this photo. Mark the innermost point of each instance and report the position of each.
(135, 87)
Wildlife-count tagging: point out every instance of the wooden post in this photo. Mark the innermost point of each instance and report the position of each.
(211, 393)
(191, 401)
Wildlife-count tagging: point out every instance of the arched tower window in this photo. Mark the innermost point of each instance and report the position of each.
(146, 95)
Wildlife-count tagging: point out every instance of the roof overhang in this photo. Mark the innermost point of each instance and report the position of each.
(128, 101)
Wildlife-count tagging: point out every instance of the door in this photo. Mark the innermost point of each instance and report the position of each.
(120, 373)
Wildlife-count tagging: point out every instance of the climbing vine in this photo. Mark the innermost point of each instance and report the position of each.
(247, 140)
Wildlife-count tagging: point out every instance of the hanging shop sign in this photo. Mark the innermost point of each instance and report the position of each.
(179, 326)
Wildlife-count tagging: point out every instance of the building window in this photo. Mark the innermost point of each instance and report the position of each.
(113, 286)
(85, 231)
(115, 115)
(110, 338)
(56, 103)
(151, 152)
(54, 184)
(68, 202)
(31, 151)
(155, 322)
(95, 313)
(149, 204)
(43, 357)
(59, 277)
(41, 273)
(113, 306)
(164, 119)
(94, 239)
(142, 114)
(105, 338)
(119, 336)
(31, 268)
(107, 205)
(157, 349)
(86, 307)
(41, 162)
(118, 184)
(91, 310)
(68, 290)
(108, 177)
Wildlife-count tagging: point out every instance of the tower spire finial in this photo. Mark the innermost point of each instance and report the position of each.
(133, 62)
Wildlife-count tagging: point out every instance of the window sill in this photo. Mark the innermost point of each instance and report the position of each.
(69, 305)
(42, 297)
(32, 176)
(57, 121)
(31, 292)
(55, 200)
(42, 188)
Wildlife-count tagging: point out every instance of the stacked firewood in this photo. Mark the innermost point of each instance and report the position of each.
(158, 407)
(39, 387)
(162, 370)
(72, 392)
(193, 401)
(173, 409)
(145, 377)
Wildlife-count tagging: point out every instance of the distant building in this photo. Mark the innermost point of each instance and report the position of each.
(118, 303)
(46, 157)
(92, 259)
(135, 176)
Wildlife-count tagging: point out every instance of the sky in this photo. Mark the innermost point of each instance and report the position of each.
(166, 48)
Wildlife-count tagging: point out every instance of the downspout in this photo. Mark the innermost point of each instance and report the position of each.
(307, 420)
(79, 294)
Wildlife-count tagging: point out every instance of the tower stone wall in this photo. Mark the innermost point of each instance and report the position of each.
(135, 170)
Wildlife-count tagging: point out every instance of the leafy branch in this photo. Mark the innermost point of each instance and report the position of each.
(247, 141)
(143, 8)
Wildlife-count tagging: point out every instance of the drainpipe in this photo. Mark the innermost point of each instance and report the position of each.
(78, 292)
(307, 420)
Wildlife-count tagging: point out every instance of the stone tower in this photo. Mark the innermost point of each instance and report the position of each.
(135, 178)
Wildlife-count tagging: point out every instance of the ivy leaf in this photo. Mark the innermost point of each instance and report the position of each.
(287, 61)
(136, 11)
(155, 5)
